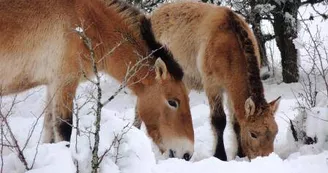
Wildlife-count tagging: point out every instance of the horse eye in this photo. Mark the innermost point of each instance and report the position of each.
(173, 103)
(253, 135)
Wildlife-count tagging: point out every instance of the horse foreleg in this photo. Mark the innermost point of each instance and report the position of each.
(236, 128)
(62, 112)
(48, 134)
(218, 120)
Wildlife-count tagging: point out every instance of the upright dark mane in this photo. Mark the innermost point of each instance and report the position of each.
(130, 14)
(136, 17)
(123, 6)
(253, 72)
(161, 52)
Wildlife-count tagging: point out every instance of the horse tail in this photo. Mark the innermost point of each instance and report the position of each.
(244, 34)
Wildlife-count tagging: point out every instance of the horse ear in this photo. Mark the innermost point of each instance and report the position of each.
(275, 104)
(249, 107)
(161, 70)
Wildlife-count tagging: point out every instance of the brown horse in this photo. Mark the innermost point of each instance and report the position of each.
(218, 52)
(38, 46)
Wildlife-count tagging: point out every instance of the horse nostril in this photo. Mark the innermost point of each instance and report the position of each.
(187, 156)
(171, 154)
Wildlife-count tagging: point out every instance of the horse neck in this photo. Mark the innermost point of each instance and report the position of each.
(251, 83)
(108, 28)
(240, 92)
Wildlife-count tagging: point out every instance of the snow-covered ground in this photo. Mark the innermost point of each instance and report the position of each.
(135, 153)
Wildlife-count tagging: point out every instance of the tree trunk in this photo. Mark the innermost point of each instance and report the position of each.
(255, 20)
(260, 40)
(285, 31)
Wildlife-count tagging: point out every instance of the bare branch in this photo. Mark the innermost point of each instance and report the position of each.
(128, 80)
(120, 138)
(2, 147)
(37, 149)
(311, 2)
(88, 44)
(321, 68)
(17, 147)
(268, 37)
(131, 71)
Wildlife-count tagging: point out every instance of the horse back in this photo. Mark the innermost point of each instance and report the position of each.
(179, 27)
(200, 37)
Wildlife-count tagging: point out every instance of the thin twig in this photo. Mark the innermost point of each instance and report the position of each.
(17, 147)
(2, 147)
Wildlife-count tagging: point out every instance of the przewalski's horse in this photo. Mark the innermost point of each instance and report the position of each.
(38, 46)
(218, 52)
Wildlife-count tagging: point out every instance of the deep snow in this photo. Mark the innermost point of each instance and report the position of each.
(135, 152)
